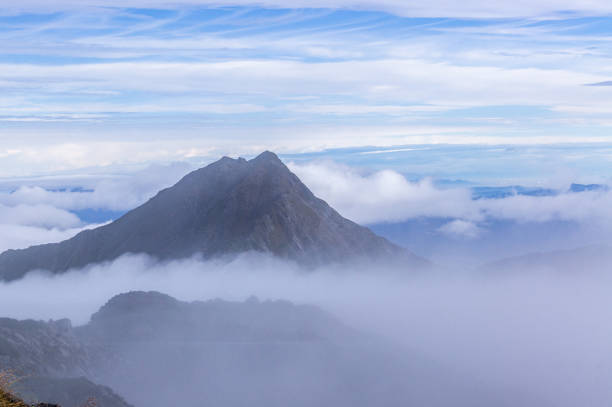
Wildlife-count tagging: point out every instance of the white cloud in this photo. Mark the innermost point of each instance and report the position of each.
(387, 196)
(31, 154)
(388, 88)
(38, 214)
(20, 237)
(384, 196)
(118, 193)
(32, 215)
(24, 225)
(461, 228)
(580, 207)
(406, 81)
(434, 8)
(487, 329)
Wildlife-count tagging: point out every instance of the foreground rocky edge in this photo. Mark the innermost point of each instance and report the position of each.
(44, 361)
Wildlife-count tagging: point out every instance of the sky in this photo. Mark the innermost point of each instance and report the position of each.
(400, 114)
(423, 105)
(111, 84)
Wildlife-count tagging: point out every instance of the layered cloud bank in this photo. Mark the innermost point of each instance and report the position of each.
(437, 8)
(112, 192)
(387, 196)
(42, 211)
(546, 335)
(110, 82)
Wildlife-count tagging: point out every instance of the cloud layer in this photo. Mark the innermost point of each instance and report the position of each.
(25, 225)
(97, 87)
(387, 196)
(33, 214)
(42, 211)
(437, 8)
(555, 324)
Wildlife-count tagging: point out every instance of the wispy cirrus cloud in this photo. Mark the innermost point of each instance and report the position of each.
(204, 75)
(437, 8)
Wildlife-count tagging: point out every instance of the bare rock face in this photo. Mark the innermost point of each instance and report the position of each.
(67, 392)
(41, 348)
(50, 363)
(229, 207)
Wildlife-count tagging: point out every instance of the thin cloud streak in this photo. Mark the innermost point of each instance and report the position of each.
(437, 8)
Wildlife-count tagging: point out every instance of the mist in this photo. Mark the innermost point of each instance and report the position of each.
(528, 332)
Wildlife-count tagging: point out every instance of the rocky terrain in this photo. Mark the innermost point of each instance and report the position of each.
(8, 400)
(51, 364)
(68, 392)
(41, 348)
(229, 207)
(133, 332)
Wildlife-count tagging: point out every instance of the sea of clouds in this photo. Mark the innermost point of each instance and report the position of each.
(43, 211)
(546, 335)
(539, 333)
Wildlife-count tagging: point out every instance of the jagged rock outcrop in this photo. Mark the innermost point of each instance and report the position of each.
(229, 207)
(9, 400)
(49, 363)
(41, 348)
(67, 392)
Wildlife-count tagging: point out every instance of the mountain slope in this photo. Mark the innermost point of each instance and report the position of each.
(49, 362)
(228, 207)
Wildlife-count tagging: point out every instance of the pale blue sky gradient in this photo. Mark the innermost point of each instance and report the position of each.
(97, 85)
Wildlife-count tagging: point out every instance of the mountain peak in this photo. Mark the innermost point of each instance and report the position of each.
(228, 207)
(267, 156)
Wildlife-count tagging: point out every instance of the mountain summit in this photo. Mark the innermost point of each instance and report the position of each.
(228, 207)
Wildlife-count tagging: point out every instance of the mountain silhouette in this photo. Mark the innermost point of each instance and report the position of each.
(228, 207)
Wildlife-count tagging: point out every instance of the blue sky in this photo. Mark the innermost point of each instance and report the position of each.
(103, 83)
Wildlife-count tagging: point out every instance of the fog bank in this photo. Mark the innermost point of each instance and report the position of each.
(542, 333)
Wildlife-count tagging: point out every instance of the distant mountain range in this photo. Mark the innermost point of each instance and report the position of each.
(580, 260)
(156, 351)
(500, 192)
(229, 207)
(145, 345)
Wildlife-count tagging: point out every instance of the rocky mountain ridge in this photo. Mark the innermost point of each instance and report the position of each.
(226, 208)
